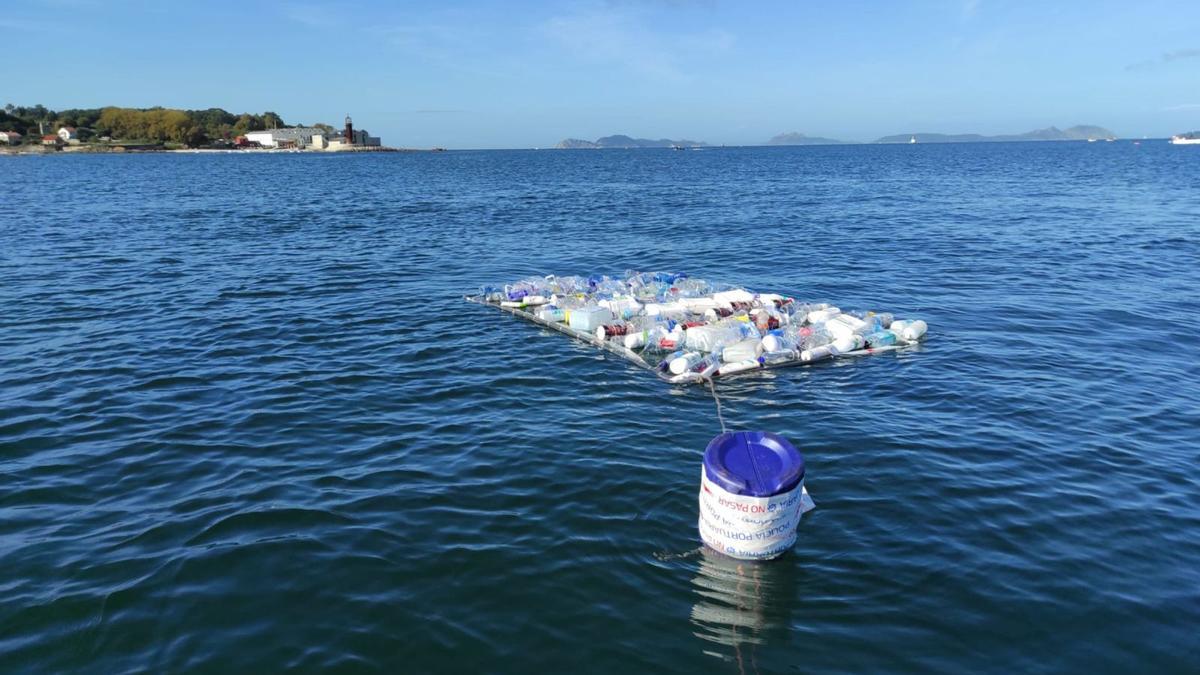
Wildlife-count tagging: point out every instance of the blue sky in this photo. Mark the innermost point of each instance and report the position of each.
(486, 74)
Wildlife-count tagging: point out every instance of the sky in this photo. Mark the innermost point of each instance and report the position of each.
(496, 74)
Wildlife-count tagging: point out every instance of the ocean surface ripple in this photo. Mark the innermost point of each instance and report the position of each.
(248, 424)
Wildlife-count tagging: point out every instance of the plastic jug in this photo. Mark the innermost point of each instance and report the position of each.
(909, 331)
(742, 350)
(882, 338)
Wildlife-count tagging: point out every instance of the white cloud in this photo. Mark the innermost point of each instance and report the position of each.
(621, 38)
(1182, 107)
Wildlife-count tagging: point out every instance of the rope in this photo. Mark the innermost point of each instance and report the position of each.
(713, 387)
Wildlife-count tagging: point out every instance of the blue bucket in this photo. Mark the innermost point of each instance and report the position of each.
(753, 463)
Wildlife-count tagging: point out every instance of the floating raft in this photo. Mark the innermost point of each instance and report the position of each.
(690, 331)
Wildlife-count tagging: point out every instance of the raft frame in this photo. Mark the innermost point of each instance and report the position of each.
(636, 359)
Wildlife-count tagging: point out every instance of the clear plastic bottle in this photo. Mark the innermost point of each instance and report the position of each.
(814, 336)
(555, 314)
(672, 340)
(644, 331)
(709, 337)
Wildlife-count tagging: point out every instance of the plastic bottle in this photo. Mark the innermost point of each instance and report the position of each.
(670, 310)
(909, 331)
(880, 338)
(708, 365)
(737, 367)
(717, 313)
(492, 294)
(817, 353)
(708, 337)
(685, 362)
(742, 350)
(848, 343)
(885, 318)
(813, 336)
(844, 325)
(767, 319)
(611, 330)
(665, 364)
(822, 315)
(625, 307)
(643, 332)
(674, 339)
(781, 356)
(779, 341)
(736, 295)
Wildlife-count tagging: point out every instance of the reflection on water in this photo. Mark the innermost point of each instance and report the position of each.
(741, 603)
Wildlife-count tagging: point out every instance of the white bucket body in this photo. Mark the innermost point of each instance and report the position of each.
(750, 528)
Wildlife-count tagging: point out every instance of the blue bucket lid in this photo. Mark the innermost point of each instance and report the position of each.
(753, 463)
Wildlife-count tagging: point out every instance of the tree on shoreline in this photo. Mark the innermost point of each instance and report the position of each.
(156, 125)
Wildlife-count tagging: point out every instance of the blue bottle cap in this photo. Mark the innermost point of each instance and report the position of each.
(753, 463)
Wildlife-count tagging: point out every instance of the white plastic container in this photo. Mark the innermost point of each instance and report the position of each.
(777, 343)
(849, 343)
(622, 307)
(817, 353)
(698, 305)
(588, 319)
(683, 364)
(637, 339)
(909, 331)
(742, 350)
(845, 325)
(669, 310)
(729, 368)
(822, 315)
(736, 295)
(552, 314)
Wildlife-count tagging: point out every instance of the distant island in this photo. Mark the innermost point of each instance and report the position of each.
(1081, 132)
(795, 138)
(622, 141)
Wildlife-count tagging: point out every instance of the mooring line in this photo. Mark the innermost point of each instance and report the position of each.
(713, 387)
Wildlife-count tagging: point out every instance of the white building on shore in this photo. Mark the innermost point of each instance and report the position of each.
(314, 138)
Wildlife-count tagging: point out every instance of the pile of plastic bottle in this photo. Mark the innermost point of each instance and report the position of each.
(691, 330)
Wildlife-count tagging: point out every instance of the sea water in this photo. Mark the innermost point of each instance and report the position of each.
(247, 422)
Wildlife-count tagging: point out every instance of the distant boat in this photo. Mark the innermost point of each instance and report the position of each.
(912, 140)
(1190, 138)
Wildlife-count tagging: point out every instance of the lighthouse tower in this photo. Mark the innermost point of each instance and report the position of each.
(348, 133)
